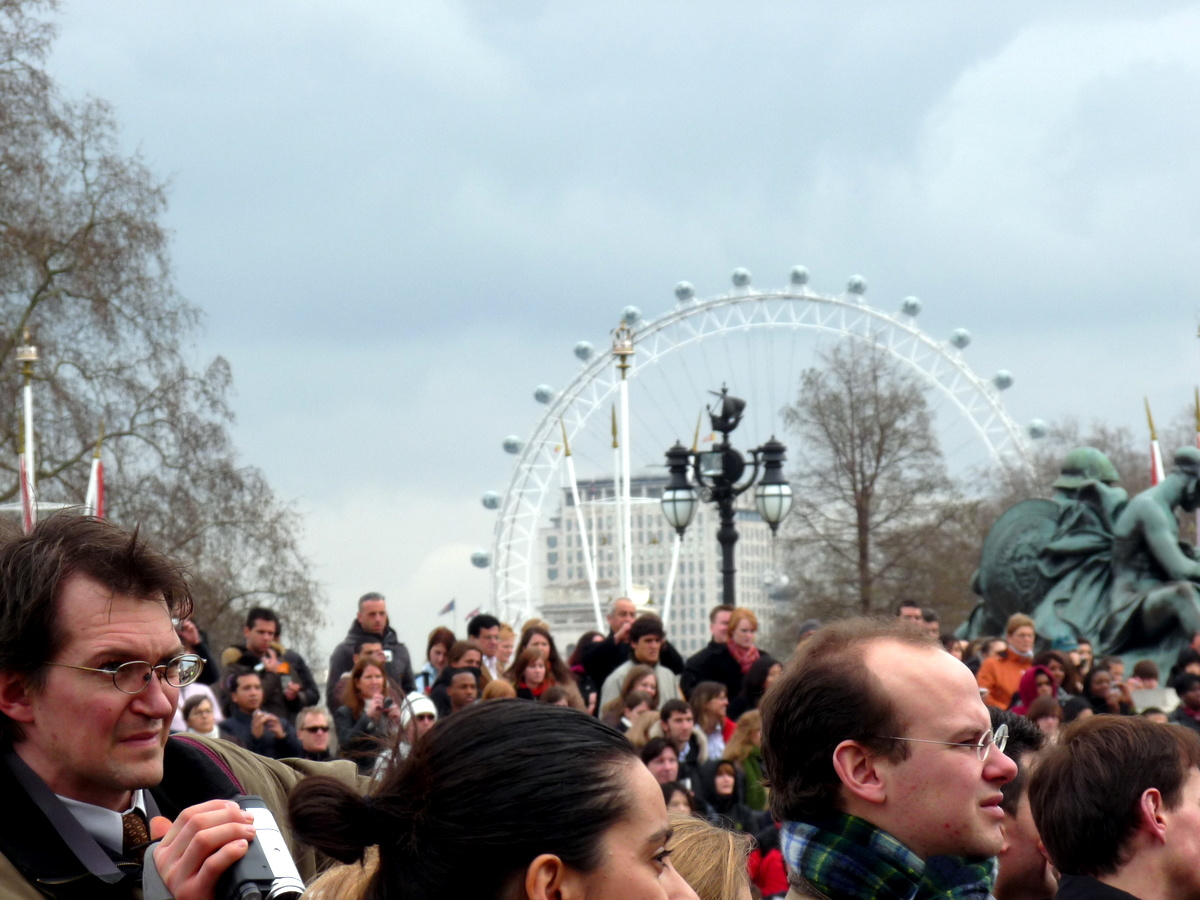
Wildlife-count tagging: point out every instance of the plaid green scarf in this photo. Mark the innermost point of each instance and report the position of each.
(847, 858)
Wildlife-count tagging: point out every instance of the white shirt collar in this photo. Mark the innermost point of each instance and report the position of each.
(103, 824)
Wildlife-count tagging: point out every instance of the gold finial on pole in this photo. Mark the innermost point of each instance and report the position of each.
(1150, 419)
(99, 441)
(27, 355)
(623, 347)
(696, 437)
(566, 445)
(616, 444)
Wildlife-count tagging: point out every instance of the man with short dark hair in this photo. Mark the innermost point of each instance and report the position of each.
(646, 639)
(253, 727)
(463, 688)
(713, 662)
(1025, 873)
(90, 674)
(1187, 713)
(372, 620)
(288, 685)
(678, 726)
(881, 756)
(601, 657)
(909, 611)
(1117, 805)
(484, 630)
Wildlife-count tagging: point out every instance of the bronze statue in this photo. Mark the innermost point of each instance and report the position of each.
(1092, 563)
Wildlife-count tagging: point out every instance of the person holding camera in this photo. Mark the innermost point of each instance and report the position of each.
(368, 716)
(252, 727)
(90, 673)
(288, 685)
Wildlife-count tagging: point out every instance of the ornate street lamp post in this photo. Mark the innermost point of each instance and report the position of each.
(717, 472)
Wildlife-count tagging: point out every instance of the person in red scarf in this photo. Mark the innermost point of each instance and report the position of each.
(743, 637)
(530, 674)
(1038, 681)
(1187, 713)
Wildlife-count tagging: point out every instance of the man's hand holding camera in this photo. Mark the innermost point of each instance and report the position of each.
(261, 721)
(199, 846)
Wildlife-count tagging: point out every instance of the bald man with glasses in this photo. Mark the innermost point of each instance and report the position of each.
(884, 767)
(90, 672)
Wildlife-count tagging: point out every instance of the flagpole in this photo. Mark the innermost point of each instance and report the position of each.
(623, 350)
(94, 500)
(671, 579)
(27, 355)
(618, 527)
(1156, 463)
(583, 536)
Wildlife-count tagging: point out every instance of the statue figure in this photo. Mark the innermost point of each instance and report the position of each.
(1154, 600)
(1077, 560)
(1092, 563)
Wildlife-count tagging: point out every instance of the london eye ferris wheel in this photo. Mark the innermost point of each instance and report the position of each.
(758, 342)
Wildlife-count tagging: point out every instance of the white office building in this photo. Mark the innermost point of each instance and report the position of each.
(566, 601)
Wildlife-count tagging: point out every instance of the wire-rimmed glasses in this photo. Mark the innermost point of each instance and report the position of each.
(990, 739)
(133, 677)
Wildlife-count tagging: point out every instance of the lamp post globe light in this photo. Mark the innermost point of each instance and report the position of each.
(717, 473)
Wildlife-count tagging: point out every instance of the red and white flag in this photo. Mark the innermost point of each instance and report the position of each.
(1156, 463)
(94, 502)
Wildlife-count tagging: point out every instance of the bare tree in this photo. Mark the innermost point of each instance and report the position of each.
(872, 490)
(85, 266)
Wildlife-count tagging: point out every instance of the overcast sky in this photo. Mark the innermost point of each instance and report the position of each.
(399, 217)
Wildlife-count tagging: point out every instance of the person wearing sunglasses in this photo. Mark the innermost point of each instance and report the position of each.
(315, 730)
(881, 758)
(91, 669)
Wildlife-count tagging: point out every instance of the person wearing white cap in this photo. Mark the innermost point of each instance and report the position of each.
(416, 718)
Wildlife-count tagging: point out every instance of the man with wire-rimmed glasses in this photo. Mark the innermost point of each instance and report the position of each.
(90, 671)
(884, 768)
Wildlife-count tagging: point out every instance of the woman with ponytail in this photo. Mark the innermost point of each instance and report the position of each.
(480, 811)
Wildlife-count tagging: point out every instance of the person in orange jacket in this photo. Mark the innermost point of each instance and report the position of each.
(1001, 675)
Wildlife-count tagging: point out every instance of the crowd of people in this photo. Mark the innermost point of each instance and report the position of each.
(880, 760)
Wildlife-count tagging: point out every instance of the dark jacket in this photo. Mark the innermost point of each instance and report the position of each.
(292, 667)
(1179, 717)
(211, 673)
(713, 663)
(601, 658)
(399, 664)
(1081, 887)
(239, 725)
(689, 768)
(361, 739)
(36, 861)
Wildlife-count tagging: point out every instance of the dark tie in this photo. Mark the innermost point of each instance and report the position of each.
(135, 835)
